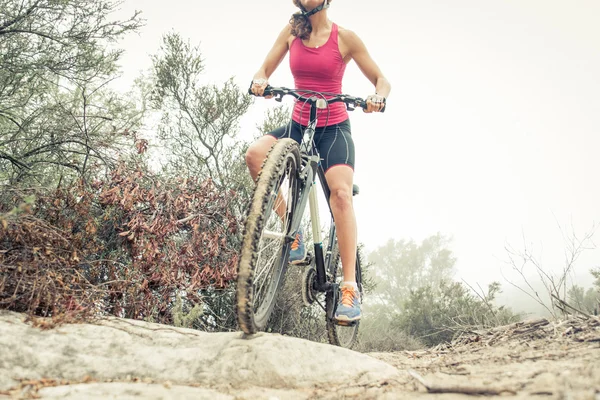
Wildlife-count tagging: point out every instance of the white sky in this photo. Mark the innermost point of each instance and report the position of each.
(492, 128)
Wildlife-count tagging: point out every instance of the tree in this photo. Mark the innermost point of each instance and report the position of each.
(199, 122)
(596, 284)
(55, 59)
(400, 266)
(79, 133)
(596, 274)
(586, 301)
(44, 39)
(416, 301)
(198, 125)
(274, 118)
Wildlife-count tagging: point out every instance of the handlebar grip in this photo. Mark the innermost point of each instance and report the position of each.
(363, 105)
(265, 93)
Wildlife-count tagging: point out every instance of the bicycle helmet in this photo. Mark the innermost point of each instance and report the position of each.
(315, 10)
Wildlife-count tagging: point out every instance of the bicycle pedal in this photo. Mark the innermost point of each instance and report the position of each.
(302, 263)
(309, 258)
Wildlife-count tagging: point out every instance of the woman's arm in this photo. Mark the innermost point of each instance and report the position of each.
(272, 61)
(357, 51)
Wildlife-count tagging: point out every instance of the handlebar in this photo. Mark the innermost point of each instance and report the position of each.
(312, 97)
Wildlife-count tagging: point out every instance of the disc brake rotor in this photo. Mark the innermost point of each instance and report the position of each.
(309, 294)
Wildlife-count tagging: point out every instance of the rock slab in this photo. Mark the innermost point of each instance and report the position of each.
(121, 350)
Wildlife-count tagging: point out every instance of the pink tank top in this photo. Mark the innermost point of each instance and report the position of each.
(320, 69)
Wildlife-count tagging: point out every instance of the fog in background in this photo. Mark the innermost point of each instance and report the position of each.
(491, 135)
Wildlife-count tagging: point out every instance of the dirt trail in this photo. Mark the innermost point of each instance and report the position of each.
(528, 360)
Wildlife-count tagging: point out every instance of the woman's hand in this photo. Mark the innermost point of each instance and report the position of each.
(258, 87)
(375, 103)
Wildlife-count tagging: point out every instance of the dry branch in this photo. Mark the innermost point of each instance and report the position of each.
(65, 252)
(433, 387)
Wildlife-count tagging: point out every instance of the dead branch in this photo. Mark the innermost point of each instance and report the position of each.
(433, 387)
(566, 305)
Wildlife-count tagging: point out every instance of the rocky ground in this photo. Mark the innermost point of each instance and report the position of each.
(125, 359)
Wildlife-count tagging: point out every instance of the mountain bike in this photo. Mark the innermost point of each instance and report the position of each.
(284, 187)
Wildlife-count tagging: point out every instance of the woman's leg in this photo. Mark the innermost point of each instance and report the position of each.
(337, 151)
(257, 152)
(255, 156)
(336, 148)
(340, 181)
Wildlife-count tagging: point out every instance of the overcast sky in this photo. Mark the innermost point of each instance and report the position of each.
(492, 129)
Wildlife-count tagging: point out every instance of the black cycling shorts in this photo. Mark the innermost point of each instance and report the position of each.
(334, 142)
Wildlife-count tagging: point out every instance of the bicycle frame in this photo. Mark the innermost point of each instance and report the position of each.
(311, 169)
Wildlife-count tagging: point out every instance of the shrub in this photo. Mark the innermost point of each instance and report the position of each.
(128, 246)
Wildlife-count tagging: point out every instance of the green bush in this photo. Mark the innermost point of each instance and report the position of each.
(437, 315)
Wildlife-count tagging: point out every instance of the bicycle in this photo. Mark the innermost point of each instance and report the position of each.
(285, 185)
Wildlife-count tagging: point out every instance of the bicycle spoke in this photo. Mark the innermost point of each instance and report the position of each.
(265, 271)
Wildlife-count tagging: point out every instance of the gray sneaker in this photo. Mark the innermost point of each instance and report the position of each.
(348, 309)
(298, 251)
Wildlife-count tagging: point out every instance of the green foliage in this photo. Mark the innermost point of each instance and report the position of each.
(41, 39)
(73, 134)
(56, 116)
(381, 331)
(402, 266)
(587, 301)
(596, 274)
(186, 318)
(416, 302)
(436, 315)
(199, 121)
(274, 118)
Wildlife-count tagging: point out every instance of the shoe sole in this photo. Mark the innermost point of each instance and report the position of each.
(346, 324)
(301, 261)
(343, 318)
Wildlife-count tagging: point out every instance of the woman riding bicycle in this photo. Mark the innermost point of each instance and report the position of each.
(319, 52)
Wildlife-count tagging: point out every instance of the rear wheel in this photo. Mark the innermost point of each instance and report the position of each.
(341, 335)
(265, 250)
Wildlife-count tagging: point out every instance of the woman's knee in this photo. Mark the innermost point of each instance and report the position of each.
(341, 197)
(257, 151)
(252, 154)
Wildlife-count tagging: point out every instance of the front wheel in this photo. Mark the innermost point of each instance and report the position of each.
(341, 335)
(265, 249)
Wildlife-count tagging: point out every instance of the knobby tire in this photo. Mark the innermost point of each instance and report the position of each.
(283, 153)
(343, 336)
